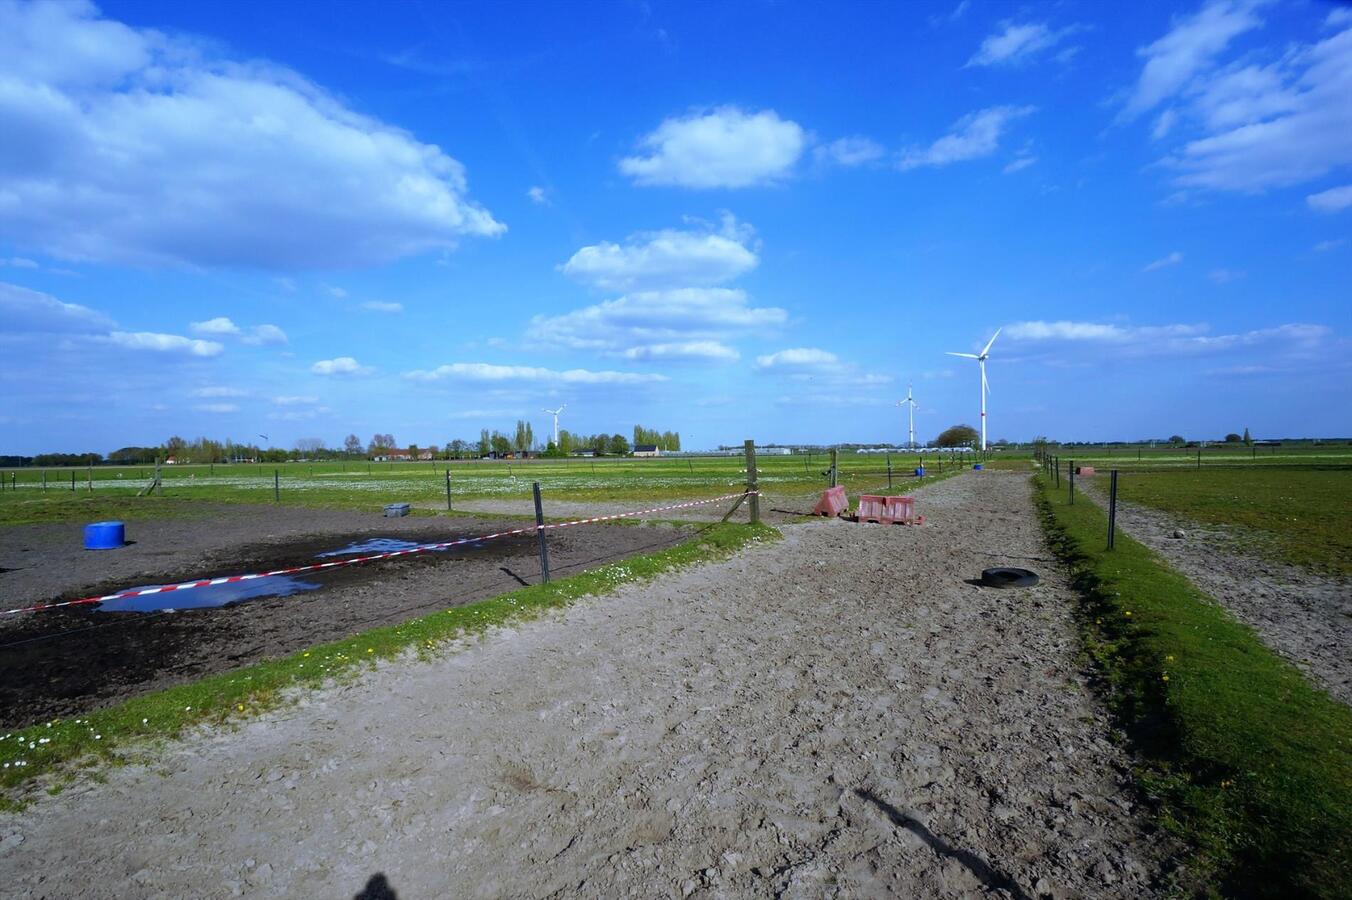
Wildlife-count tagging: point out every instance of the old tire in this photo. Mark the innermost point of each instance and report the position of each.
(1008, 577)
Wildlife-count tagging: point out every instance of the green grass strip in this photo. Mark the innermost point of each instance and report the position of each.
(94, 738)
(1249, 763)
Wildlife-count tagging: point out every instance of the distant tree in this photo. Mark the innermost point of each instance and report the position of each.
(957, 436)
(501, 446)
(619, 445)
(1177, 439)
(413, 451)
(456, 448)
(1248, 441)
(352, 445)
(1233, 438)
(175, 446)
(552, 451)
(485, 442)
(381, 444)
(310, 446)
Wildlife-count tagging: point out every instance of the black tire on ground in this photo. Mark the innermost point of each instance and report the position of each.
(1006, 577)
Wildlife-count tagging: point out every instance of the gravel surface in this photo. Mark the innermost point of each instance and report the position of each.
(839, 713)
(1305, 617)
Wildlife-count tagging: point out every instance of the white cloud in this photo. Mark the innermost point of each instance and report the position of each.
(712, 351)
(1251, 125)
(265, 334)
(220, 391)
(538, 195)
(1338, 16)
(129, 145)
(655, 317)
(336, 293)
(217, 407)
(292, 400)
(19, 262)
(1171, 259)
(973, 136)
(164, 343)
(1017, 44)
(798, 357)
(342, 365)
(487, 372)
(1325, 246)
(723, 148)
(217, 327)
(849, 151)
(23, 310)
(1332, 200)
(666, 258)
(383, 306)
(1158, 340)
(1189, 47)
(1019, 164)
(1225, 276)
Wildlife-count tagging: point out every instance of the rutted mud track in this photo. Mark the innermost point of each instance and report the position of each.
(64, 662)
(838, 713)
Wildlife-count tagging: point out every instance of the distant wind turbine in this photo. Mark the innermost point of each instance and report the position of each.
(555, 414)
(909, 402)
(985, 386)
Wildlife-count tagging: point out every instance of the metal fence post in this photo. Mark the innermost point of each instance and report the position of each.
(276, 486)
(540, 531)
(1112, 508)
(1070, 470)
(752, 482)
(448, 489)
(1199, 457)
(889, 471)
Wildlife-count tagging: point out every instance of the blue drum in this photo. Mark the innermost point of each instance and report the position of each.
(104, 536)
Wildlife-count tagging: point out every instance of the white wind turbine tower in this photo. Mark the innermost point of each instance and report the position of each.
(985, 388)
(555, 414)
(909, 402)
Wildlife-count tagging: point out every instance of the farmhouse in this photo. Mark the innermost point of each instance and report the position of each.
(646, 450)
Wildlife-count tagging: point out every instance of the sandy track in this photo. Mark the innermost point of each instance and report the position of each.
(838, 713)
(1305, 617)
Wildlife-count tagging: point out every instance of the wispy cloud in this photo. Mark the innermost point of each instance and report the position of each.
(1171, 259)
(1017, 43)
(1331, 201)
(488, 372)
(383, 306)
(972, 137)
(704, 255)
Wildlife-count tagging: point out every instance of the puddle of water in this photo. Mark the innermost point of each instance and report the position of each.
(372, 545)
(210, 596)
(388, 545)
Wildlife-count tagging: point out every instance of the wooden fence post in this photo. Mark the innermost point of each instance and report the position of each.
(1112, 508)
(835, 472)
(540, 531)
(1070, 470)
(448, 489)
(752, 483)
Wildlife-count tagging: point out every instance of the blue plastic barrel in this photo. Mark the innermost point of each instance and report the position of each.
(920, 471)
(977, 466)
(104, 536)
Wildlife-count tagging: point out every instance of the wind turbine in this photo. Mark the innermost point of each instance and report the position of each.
(985, 387)
(909, 401)
(555, 414)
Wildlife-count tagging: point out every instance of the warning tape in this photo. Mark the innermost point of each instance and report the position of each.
(358, 560)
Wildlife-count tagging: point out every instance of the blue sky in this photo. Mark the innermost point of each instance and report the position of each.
(745, 220)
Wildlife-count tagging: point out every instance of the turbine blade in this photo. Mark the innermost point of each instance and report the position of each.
(966, 355)
(992, 340)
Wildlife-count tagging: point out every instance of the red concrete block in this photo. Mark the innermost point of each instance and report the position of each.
(1084, 470)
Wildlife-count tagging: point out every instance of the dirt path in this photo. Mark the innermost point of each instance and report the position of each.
(1307, 618)
(838, 713)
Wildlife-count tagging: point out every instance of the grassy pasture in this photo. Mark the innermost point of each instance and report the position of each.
(1294, 506)
(1249, 764)
(369, 485)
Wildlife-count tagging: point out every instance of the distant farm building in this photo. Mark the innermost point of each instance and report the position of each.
(646, 450)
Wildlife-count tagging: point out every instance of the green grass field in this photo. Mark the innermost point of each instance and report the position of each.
(1246, 761)
(369, 486)
(1293, 507)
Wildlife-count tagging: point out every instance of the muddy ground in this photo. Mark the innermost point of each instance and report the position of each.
(58, 663)
(838, 714)
(1303, 616)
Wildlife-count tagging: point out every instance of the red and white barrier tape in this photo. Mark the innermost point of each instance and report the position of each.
(358, 560)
